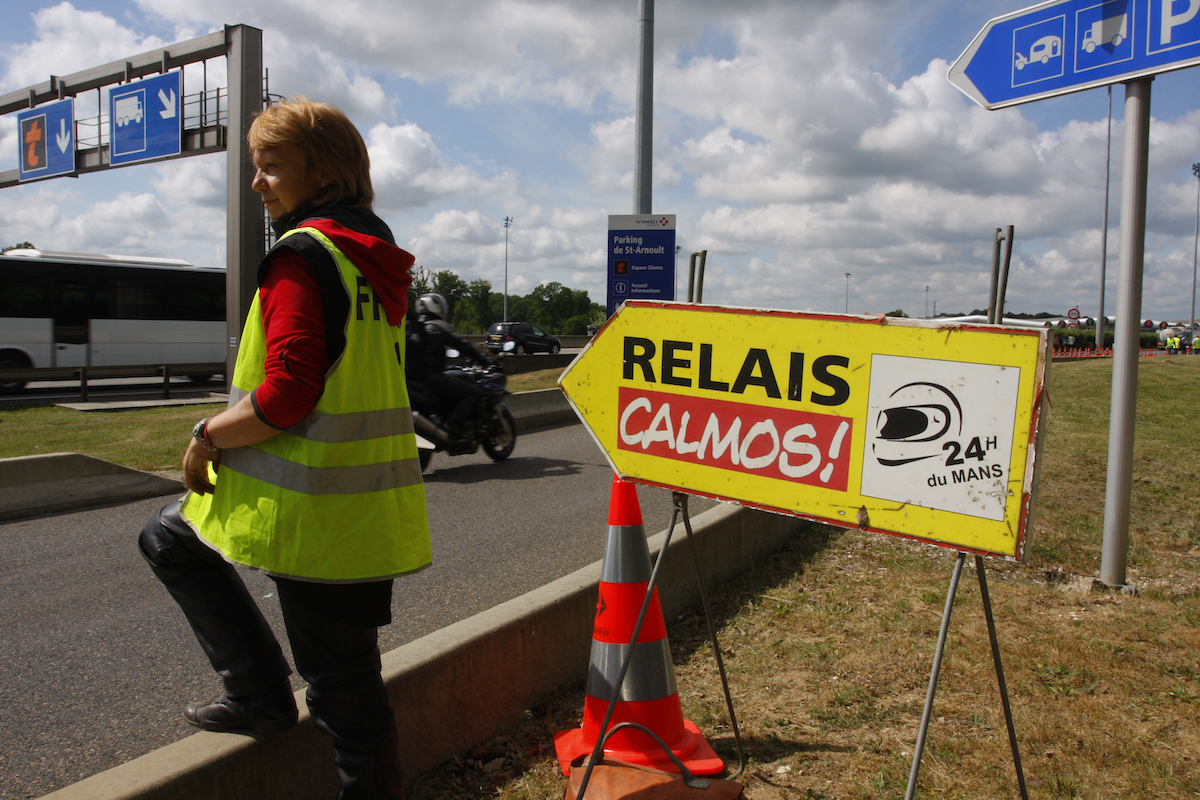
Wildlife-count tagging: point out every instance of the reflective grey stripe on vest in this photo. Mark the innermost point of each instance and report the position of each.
(626, 555)
(651, 675)
(295, 477)
(356, 426)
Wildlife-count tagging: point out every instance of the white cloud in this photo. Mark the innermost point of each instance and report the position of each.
(407, 171)
(70, 40)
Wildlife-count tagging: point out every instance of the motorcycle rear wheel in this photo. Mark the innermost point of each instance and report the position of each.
(501, 437)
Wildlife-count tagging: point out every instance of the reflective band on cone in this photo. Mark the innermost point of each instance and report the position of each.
(649, 695)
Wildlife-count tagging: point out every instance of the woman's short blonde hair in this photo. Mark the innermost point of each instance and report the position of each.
(330, 143)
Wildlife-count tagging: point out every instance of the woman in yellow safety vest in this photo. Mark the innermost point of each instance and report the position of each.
(311, 474)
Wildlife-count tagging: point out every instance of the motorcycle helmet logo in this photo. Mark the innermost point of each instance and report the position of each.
(921, 416)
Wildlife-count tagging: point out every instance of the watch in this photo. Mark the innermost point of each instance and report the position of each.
(200, 434)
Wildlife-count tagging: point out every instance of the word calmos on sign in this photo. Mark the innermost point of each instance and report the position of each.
(899, 426)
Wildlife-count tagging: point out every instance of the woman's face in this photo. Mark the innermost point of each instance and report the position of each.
(283, 179)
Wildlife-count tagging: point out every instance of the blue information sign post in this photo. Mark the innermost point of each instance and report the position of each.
(1066, 46)
(1070, 45)
(641, 258)
(145, 120)
(46, 141)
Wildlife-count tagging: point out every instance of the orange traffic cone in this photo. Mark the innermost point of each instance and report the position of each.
(648, 693)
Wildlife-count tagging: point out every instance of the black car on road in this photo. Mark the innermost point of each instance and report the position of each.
(525, 336)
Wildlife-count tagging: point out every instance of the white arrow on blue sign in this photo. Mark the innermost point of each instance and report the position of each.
(1066, 46)
(145, 120)
(46, 141)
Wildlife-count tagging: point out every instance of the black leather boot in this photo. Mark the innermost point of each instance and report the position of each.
(272, 712)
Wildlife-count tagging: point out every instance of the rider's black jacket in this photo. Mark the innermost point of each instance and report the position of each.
(428, 340)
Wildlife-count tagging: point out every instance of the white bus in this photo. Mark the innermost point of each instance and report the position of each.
(81, 310)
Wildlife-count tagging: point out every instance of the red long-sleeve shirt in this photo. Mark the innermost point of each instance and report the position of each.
(297, 361)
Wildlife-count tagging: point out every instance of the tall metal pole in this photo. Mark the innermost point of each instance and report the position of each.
(508, 221)
(643, 168)
(1195, 253)
(245, 231)
(847, 292)
(1115, 549)
(1104, 229)
(1002, 281)
(996, 252)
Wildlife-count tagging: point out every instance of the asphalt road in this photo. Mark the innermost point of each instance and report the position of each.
(96, 662)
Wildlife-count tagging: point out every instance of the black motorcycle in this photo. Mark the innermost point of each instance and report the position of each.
(490, 424)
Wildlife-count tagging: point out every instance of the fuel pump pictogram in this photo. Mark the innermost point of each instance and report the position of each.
(33, 143)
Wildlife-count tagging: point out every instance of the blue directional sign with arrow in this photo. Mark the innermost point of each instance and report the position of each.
(145, 119)
(46, 141)
(1066, 46)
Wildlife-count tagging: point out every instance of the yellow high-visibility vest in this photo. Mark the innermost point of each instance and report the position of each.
(338, 497)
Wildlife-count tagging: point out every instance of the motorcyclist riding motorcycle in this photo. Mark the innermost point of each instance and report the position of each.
(429, 337)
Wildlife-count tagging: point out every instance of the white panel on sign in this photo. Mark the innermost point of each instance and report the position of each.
(944, 441)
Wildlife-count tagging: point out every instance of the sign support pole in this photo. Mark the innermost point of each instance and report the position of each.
(1126, 346)
(245, 240)
(1008, 718)
(643, 163)
(933, 676)
(936, 669)
(995, 312)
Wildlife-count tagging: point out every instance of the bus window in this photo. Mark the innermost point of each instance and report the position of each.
(23, 298)
(121, 299)
(193, 297)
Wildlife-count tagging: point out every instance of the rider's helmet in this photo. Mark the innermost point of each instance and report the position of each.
(433, 305)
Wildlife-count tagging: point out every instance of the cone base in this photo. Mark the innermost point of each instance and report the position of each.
(695, 753)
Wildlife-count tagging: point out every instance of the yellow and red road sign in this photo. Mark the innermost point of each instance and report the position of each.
(898, 426)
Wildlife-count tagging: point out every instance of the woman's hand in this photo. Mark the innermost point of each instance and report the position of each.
(234, 427)
(195, 467)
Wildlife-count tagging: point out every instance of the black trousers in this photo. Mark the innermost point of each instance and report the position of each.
(338, 658)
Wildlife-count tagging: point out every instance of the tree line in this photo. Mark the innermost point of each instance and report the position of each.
(474, 306)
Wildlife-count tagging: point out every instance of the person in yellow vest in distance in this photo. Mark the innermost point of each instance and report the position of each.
(311, 474)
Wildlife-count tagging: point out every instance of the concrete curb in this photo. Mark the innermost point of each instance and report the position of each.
(33, 485)
(451, 689)
(542, 408)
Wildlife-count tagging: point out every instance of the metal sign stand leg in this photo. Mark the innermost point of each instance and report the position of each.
(933, 678)
(937, 668)
(1008, 719)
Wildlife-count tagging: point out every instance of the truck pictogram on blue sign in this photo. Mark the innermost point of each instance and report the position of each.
(145, 120)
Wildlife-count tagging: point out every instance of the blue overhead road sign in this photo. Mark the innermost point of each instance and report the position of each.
(145, 118)
(1066, 46)
(46, 141)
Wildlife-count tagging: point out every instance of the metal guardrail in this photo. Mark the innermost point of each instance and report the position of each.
(85, 374)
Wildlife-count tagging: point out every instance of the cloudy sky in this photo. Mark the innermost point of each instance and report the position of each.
(796, 141)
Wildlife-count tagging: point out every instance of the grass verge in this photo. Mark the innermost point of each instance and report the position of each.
(828, 644)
